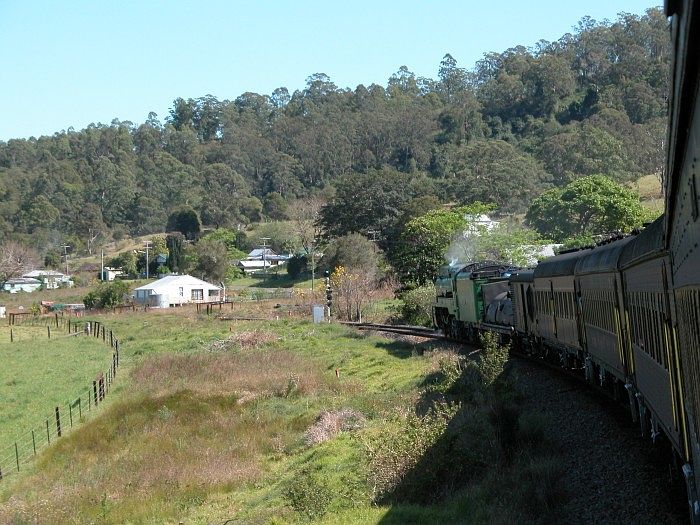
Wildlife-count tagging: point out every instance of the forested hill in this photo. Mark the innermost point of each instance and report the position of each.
(519, 121)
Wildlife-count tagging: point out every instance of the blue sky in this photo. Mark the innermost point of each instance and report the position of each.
(73, 62)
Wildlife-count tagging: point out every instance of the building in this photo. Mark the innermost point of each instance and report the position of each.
(476, 224)
(21, 284)
(111, 273)
(51, 279)
(174, 290)
(262, 259)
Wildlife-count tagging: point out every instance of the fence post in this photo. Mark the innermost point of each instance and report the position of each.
(70, 415)
(58, 423)
(17, 456)
(89, 400)
(48, 434)
(48, 330)
(33, 442)
(56, 319)
(12, 335)
(94, 388)
(80, 409)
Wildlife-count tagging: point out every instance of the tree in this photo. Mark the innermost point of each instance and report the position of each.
(305, 215)
(352, 289)
(176, 251)
(588, 206)
(16, 259)
(365, 202)
(296, 265)
(225, 190)
(495, 171)
(126, 261)
(186, 221)
(424, 242)
(513, 245)
(353, 252)
(212, 260)
(275, 207)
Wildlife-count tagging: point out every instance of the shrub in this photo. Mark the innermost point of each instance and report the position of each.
(417, 305)
(107, 295)
(308, 495)
(297, 265)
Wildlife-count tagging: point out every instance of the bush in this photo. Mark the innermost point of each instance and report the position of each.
(107, 295)
(417, 305)
(308, 495)
(297, 265)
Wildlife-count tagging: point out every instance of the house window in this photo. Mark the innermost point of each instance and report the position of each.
(213, 293)
(197, 295)
(182, 291)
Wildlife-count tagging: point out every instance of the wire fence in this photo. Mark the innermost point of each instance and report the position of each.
(64, 416)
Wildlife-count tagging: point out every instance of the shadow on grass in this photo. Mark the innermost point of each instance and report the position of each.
(468, 455)
(271, 280)
(404, 349)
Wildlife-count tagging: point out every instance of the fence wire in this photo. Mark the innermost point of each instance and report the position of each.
(65, 416)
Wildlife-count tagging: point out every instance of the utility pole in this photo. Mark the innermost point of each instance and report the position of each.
(102, 274)
(65, 255)
(313, 265)
(148, 245)
(264, 249)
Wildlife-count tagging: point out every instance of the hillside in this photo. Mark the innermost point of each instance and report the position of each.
(515, 123)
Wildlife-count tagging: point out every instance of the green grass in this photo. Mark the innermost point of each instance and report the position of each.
(280, 279)
(208, 423)
(37, 374)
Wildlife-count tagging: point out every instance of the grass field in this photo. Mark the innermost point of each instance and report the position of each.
(212, 420)
(37, 374)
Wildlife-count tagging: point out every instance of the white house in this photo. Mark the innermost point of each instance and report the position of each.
(51, 279)
(21, 284)
(478, 223)
(260, 259)
(173, 290)
(111, 273)
(249, 266)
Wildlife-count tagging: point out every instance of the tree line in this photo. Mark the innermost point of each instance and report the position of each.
(517, 124)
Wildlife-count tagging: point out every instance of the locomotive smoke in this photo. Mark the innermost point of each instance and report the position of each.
(462, 249)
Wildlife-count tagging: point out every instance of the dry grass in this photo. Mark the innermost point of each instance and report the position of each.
(244, 340)
(648, 187)
(247, 374)
(168, 448)
(331, 423)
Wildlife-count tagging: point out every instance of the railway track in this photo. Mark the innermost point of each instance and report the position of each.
(418, 331)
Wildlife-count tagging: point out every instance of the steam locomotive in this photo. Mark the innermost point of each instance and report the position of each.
(624, 313)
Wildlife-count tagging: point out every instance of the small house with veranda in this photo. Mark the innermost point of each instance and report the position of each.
(175, 290)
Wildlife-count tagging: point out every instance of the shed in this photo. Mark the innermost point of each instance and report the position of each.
(173, 290)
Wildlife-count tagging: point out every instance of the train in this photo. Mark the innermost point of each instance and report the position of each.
(624, 313)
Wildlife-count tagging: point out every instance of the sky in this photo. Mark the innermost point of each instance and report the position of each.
(74, 62)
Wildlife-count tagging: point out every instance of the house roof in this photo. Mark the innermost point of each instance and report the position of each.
(23, 280)
(258, 253)
(169, 281)
(43, 273)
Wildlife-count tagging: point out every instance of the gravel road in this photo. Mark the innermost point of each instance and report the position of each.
(612, 475)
